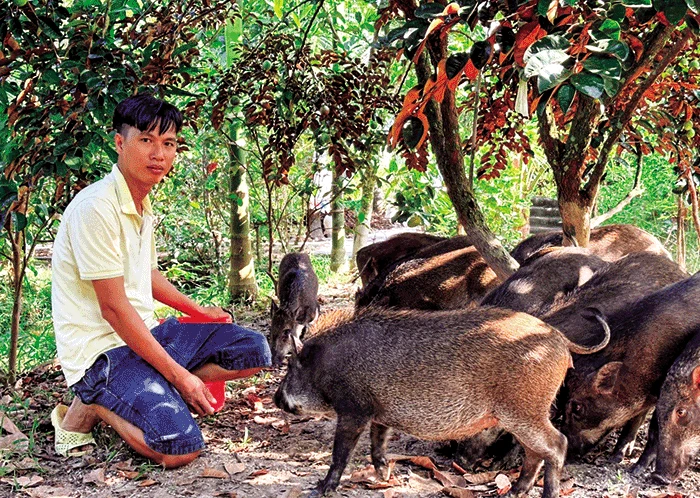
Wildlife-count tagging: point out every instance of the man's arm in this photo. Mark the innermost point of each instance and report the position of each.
(166, 293)
(127, 323)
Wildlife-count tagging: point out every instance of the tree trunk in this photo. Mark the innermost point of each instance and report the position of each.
(338, 262)
(242, 283)
(680, 230)
(364, 217)
(18, 265)
(447, 147)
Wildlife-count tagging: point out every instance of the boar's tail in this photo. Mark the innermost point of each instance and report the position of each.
(596, 314)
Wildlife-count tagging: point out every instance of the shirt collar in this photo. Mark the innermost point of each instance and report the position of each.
(126, 202)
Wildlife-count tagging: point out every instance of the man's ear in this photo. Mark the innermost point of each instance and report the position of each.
(119, 142)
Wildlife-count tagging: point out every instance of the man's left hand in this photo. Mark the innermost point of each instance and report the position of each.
(214, 313)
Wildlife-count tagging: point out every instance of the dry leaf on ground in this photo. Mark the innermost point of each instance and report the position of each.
(424, 462)
(23, 481)
(147, 482)
(49, 492)
(234, 468)
(295, 492)
(96, 476)
(458, 468)
(481, 477)
(214, 473)
(260, 472)
(458, 492)
(8, 425)
(449, 480)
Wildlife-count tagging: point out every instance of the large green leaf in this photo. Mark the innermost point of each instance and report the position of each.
(277, 6)
(588, 84)
(551, 76)
(617, 12)
(551, 42)
(546, 62)
(565, 96)
(674, 10)
(611, 29)
(617, 48)
(693, 5)
(636, 4)
(607, 67)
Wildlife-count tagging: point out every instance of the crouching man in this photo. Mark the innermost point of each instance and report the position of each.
(140, 377)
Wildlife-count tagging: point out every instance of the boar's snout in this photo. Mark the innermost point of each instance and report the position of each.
(283, 403)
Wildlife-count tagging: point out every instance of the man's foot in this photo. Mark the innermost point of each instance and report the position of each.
(73, 443)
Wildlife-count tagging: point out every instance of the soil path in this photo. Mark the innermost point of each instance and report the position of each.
(255, 451)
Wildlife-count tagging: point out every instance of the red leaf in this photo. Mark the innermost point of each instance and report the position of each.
(527, 35)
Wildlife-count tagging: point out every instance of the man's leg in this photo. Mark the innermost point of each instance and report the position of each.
(211, 372)
(133, 436)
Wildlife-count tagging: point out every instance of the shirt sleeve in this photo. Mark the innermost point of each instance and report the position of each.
(154, 255)
(94, 233)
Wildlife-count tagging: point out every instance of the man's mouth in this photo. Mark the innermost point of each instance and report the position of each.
(156, 169)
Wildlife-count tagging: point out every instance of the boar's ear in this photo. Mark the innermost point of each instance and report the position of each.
(695, 378)
(606, 377)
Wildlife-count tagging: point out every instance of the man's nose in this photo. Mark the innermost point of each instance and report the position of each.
(158, 152)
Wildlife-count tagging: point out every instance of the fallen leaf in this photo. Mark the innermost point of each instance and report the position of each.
(481, 477)
(128, 474)
(254, 401)
(23, 481)
(96, 476)
(8, 425)
(392, 482)
(458, 492)
(234, 468)
(567, 487)
(125, 465)
(392, 493)
(424, 462)
(49, 492)
(15, 441)
(502, 483)
(227, 494)
(365, 475)
(459, 469)
(214, 473)
(260, 472)
(147, 483)
(449, 480)
(266, 420)
(295, 492)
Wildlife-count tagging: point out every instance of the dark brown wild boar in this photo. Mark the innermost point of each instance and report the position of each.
(554, 273)
(375, 258)
(609, 242)
(674, 434)
(474, 369)
(297, 291)
(450, 280)
(618, 386)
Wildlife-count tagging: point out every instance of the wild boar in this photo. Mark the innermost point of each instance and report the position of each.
(436, 375)
(375, 258)
(297, 291)
(674, 433)
(609, 242)
(451, 280)
(556, 272)
(618, 386)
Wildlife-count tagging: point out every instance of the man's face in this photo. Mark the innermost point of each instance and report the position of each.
(145, 157)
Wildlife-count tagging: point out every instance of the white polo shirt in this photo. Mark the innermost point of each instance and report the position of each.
(101, 236)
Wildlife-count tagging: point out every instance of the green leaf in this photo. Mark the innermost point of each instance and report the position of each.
(232, 35)
(611, 28)
(693, 5)
(546, 62)
(20, 221)
(617, 48)
(277, 7)
(617, 12)
(543, 6)
(551, 76)
(550, 42)
(612, 86)
(607, 67)
(429, 10)
(565, 96)
(674, 10)
(636, 4)
(588, 84)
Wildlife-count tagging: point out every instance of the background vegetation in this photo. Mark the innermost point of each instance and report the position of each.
(300, 88)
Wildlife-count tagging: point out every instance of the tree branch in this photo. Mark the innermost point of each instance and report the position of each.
(549, 137)
(688, 175)
(635, 192)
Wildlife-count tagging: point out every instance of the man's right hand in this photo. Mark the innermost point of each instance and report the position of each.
(195, 393)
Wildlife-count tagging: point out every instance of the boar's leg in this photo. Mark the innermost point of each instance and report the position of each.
(649, 454)
(347, 432)
(546, 444)
(379, 436)
(625, 443)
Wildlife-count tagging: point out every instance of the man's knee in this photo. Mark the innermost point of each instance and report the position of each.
(173, 461)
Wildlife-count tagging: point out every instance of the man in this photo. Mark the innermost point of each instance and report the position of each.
(140, 377)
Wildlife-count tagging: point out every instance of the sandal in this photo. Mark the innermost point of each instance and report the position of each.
(65, 440)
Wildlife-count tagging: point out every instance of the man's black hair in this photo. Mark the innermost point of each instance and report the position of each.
(145, 112)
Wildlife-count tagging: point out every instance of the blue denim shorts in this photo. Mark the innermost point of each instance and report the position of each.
(125, 384)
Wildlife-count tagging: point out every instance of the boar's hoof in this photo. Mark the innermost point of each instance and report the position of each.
(638, 470)
(616, 457)
(383, 471)
(659, 479)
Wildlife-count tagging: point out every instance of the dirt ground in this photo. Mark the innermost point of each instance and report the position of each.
(254, 450)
